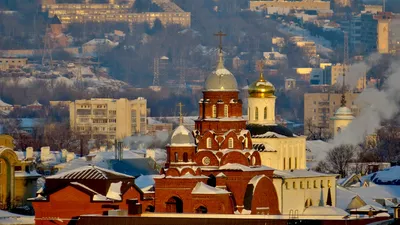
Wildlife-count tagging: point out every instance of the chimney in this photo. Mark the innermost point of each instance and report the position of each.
(29, 153)
(44, 153)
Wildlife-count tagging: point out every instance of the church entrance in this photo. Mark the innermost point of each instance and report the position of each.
(174, 205)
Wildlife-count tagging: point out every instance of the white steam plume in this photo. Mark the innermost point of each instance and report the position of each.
(379, 106)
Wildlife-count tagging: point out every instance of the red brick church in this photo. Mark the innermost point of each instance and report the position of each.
(212, 169)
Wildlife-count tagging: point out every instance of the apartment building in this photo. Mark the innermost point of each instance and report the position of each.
(296, 5)
(320, 107)
(337, 71)
(388, 33)
(109, 118)
(309, 47)
(10, 62)
(111, 12)
(369, 34)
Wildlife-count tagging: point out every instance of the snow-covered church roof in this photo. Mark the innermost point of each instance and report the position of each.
(182, 137)
(89, 172)
(202, 188)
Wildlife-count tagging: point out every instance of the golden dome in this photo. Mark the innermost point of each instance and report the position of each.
(261, 88)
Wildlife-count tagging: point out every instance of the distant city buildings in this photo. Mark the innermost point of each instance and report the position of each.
(112, 12)
(110, 119)
(297, 5)
(319, 108)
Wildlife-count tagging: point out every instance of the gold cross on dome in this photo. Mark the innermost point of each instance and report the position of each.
(260, 65)
(220, 34)
(180, 105)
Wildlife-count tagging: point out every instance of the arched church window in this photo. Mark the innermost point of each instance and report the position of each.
(295, 162)
(226, 112)
(256, 114)
(265, 113)
(308, 185)
(301, 185)
(201, 209)
(214, 111)
(290, 163)
(284, 163)
(185, 157)
(322, 184)
(176, 157)
(230, 143)
(315, 184)
(246, 143)
(253, 161)
(329, 184)
(208, 142)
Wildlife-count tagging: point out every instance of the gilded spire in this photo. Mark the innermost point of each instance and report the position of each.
(220, 65)
(261, 68)
(180, 105)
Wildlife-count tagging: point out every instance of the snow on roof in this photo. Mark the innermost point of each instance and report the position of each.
(12, 218)
(144, 181)
(300, 173)
(88, 172)
(236, 166)
(26, 174)
(35, 103)
(97, 41)
(378, 192)
(324, 211)
(202, 188)
(188, 176)
(114, 191)
(391, 174)
(269, 134)
(96, 195)
(38, 197)
(3, 104)
(221, 175)
(182, 137)
(254, 181)
(368, 208)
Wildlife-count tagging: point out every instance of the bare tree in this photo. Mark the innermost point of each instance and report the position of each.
(338, 159)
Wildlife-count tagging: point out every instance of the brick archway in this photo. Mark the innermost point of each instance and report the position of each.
(174, 205)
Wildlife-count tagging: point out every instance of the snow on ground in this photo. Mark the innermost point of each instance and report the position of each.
(11, 218)
(323, 46)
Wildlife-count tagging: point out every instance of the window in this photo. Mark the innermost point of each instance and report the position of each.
(287, 185)
(322, 184)
(284, 163)
(329, 184)
(256, 114)
(308, 184)
(230, 143)
(214, 111)
(295, 162)
(301, 185)
(315, 184)
(290, 163)
(265, 113)
(176, 157)
(294, 185)
(246, 143)
(208, 142)
(226, 112)
(185, 157)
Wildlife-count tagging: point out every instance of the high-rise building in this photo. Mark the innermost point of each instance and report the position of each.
(296, 5)
(319, 108)
(388, 32)
(369, 32)
(109, 118)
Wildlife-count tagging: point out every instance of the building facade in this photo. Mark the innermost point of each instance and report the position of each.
(109, 118)
(297, 5)
(320, 107)
(111, 12)
(280, 149)
(388, 33)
